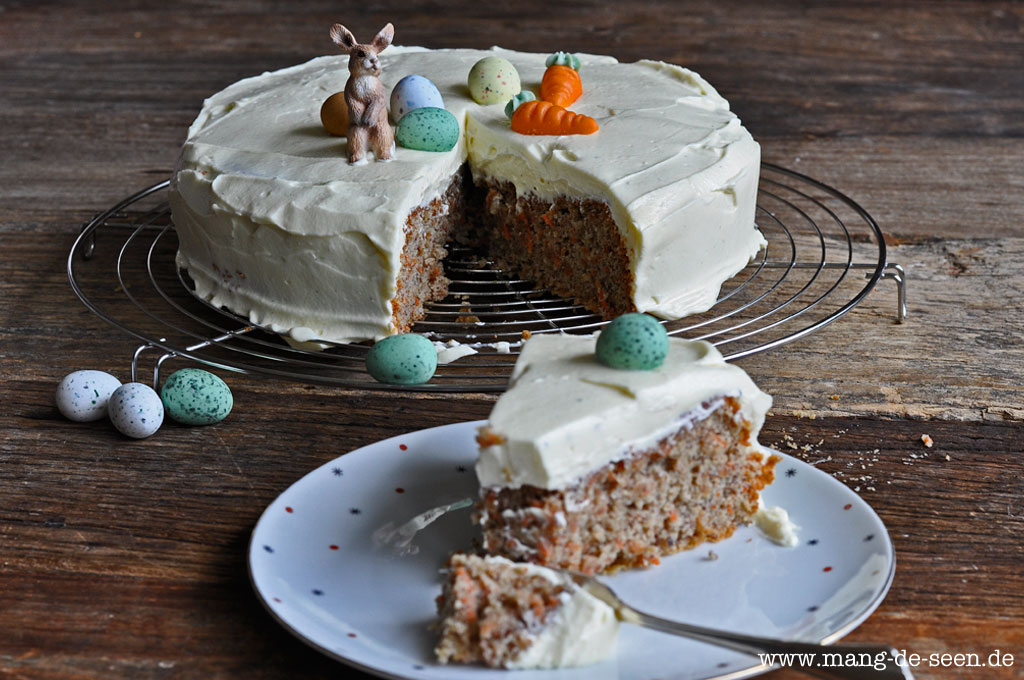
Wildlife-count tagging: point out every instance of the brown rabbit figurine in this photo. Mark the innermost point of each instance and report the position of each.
(364, 93)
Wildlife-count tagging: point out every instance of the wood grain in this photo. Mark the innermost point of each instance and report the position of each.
(126, 559)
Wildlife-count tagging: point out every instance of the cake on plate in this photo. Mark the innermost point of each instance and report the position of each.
(591, 468)
(651, 213)
(512, 615)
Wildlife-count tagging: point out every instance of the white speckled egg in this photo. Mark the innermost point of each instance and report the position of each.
(414, 92)
(493, 80)
(82, 396)
(136, 410)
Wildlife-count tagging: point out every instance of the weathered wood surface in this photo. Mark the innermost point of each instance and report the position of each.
(126, 559)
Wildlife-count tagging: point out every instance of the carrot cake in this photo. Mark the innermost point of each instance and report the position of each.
(592, 468)
(512, 615)
(651, 213)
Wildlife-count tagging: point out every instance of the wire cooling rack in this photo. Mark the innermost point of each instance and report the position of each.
(825, 254)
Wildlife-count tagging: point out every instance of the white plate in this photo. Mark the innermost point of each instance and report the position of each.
(313, 563)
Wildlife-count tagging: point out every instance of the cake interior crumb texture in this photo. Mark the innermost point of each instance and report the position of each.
(568, 245)
(696, 485)
(491, 612)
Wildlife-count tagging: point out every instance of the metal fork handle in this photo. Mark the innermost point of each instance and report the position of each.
(823, 661)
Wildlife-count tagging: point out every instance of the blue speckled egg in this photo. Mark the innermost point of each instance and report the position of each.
(193, 396)
(633, 341)
(82, 396)
(493, 80)
(408, 359)
(428, 129)
(136, 410)
(414, 92)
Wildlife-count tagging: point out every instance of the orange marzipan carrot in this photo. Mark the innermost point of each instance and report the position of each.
(561, 85)
(538, 117)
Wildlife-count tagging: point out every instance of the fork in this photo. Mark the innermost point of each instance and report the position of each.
(895, 664)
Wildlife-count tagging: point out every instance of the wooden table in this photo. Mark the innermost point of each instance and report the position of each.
(127, 558)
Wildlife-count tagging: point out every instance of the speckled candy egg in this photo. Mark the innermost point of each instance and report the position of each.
(82, 396)
(414, 92)
(407, 359)
(428, 129)
(633, 341)
(493, 80)
(136, 410)
(193, 396)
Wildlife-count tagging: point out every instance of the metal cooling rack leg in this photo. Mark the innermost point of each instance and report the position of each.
(199, 345)
(135, 361)
(170, 355)
(896, 273)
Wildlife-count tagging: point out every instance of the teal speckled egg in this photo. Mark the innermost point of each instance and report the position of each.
(407, 359)
(633, 341)
(428, 129)
(193, 396)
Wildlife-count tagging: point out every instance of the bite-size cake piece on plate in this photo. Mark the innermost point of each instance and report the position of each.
(509, 615)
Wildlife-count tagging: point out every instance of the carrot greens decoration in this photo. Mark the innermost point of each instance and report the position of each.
(561, 82)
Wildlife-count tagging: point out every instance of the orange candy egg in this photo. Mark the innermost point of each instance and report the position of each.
(334, 115)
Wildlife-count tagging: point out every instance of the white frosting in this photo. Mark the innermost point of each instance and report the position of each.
(275, 224)
(774, 521)
(565, 414)
(452, 351)
(582, 631)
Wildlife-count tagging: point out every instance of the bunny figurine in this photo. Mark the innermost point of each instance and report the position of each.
(364, 93)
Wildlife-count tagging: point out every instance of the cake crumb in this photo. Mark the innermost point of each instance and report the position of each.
(947, 457)
(526, 334)
(711, 556)
(834, 397)
(927, 440)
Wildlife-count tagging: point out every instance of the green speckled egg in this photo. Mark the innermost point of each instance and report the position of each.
(407, 359)
(633, 341)
(428, 129)
(493, 80)
(193, 396)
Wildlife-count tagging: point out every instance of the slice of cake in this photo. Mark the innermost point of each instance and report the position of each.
(592, 468)
(651, 213)
(512, 615)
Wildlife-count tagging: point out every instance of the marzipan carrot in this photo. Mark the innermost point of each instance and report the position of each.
(561, 85)
(538, 117)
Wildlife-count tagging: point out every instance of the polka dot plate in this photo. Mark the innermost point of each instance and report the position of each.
(314, 564)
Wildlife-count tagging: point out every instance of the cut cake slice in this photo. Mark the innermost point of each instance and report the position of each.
(592, 468)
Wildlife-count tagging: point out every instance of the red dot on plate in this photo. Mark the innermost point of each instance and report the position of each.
(827, 569)
(399, 490)
(351, 634)
(847, 506)
(277, 599)
(403, 447)
(288, 509)
(334, 547)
